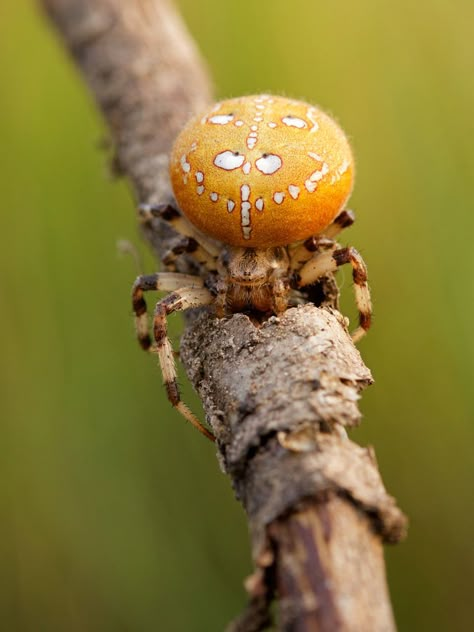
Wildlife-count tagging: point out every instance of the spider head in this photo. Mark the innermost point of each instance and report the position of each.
(253, 266)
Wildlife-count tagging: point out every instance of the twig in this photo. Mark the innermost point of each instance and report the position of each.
(278, 396)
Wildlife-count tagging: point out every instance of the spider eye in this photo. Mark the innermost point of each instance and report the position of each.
(268, 163)
(229, 160)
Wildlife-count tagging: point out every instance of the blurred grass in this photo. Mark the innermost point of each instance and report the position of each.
(113, 513)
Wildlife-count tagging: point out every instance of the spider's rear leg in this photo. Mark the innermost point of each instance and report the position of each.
(188, 245)
(160, 281)
(181, 225)
(328, 261)
(180, 300)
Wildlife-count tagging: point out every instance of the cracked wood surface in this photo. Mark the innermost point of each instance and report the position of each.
(279, 395)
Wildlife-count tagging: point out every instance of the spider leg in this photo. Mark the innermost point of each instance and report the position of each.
(307, 250)
(180, 300)
(164, 281)
(190, 246)
(181, 225)
(328, 261)
(345, 219)
(301, 253)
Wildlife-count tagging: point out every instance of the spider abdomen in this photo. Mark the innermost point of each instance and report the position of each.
(262, 171)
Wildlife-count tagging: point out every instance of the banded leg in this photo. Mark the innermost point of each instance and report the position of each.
(188, 245)
(160, 281)
(329, 261)
(345, 219)
(181, 225)
(180, 300)
(305, 251)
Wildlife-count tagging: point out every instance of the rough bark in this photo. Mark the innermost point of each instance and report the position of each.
(278, 396)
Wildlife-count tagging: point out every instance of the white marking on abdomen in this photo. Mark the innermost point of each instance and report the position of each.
(245, 192)
(279, 196)
(214, 196)
(259, 204)
(268, 163)
(344, 167)
(293, 121)
(200, 190)
(230, 205)
(319, 174)
(186, 167)
(340, 171)
(245, 213)
(294, 191)
(228, 160)
(310, 114)
(316, 176)
(221, 119)
(245, 207)
(199, 176)
(246, 168)
(214, 109)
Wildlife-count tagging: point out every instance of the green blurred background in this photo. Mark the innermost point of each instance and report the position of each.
(114, 514)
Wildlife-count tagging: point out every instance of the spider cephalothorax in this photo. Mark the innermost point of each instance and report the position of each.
(260, 182)
(252, 279)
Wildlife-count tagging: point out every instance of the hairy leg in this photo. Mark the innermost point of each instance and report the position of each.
(308, 249)
(181, 225)
(160, 281)
(328, 261)
(188, 245)
(345, 219)
(305, 251)
(180, 300)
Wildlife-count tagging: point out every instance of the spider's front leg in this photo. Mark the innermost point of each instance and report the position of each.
(180, 300)
(158, 282)
(193, 294)
(303, 252)
(328, 261)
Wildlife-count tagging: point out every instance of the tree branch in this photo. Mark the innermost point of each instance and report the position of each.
(278, 395)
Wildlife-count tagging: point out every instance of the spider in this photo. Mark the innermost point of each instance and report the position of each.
(260, 183)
